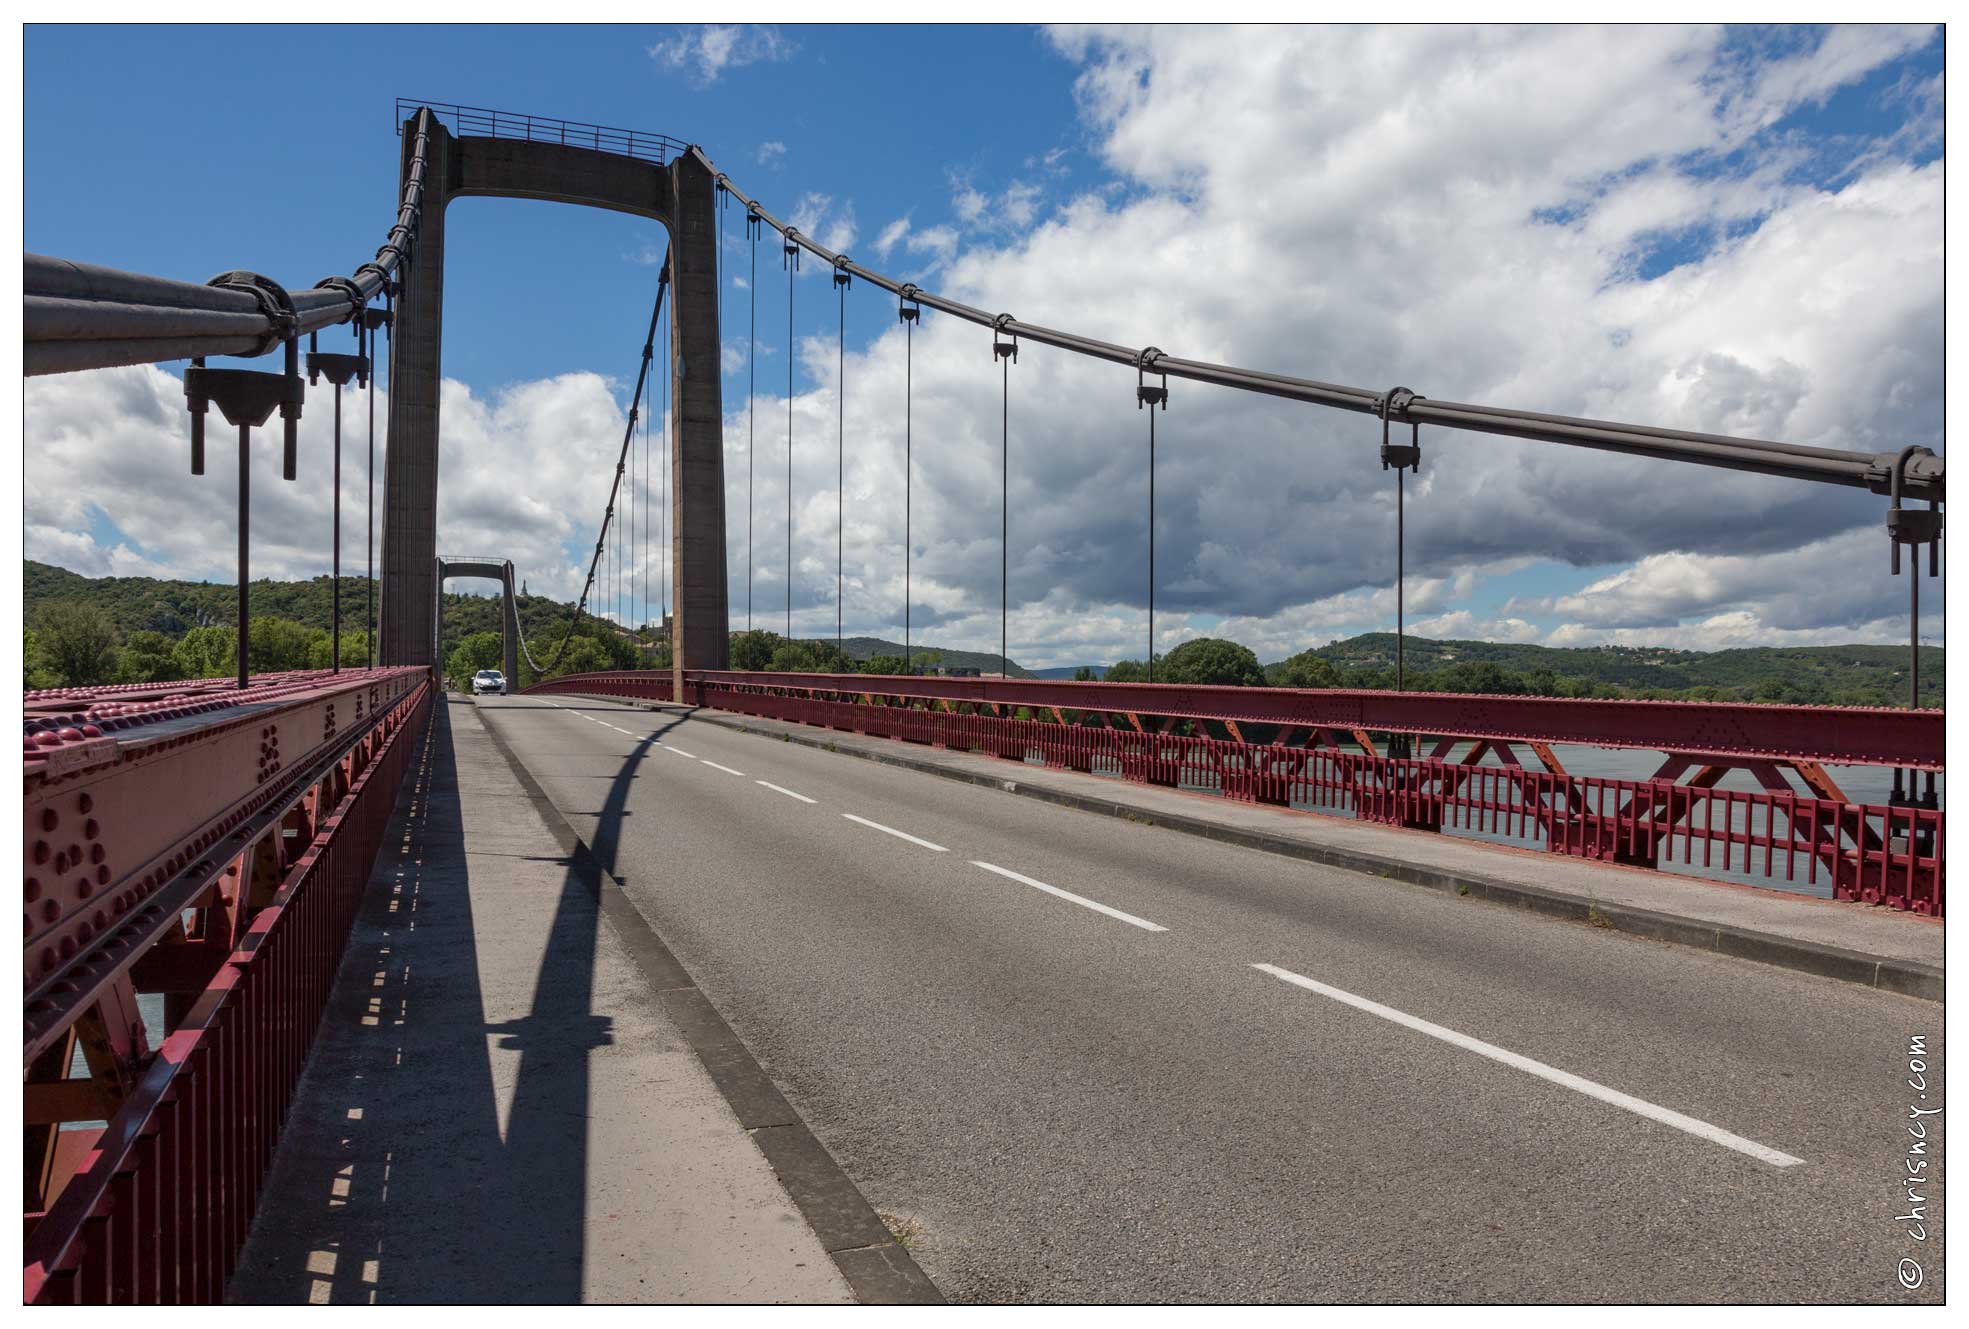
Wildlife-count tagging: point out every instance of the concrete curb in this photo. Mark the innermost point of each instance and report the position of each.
(1893, 975)
(875, 1266)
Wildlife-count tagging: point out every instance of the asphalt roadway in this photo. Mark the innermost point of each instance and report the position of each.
(1077, 1059)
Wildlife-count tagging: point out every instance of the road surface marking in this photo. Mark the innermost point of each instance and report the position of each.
(1080, 900)
(716, 767)
(679, 751)
(1666, 1116)
(890, 830)
(788, 792)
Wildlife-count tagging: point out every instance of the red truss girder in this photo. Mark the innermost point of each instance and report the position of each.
(1844, 735)
(138, 800)
(1876, 854)
(162, 1196)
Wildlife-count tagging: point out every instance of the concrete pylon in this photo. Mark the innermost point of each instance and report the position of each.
(443, 570)
(682, 195)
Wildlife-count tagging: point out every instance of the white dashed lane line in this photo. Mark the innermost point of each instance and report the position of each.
(1579, 1084)
(679, 751)
(716, 767)
(779, 790)
(890, 830)
(1080, 900)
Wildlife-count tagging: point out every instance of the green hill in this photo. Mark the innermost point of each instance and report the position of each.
(1824, 675)
(149, 604)
(864, 648)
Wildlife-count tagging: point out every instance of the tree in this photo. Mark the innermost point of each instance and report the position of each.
(355, 650)
(1127, 671)
(1213, 662)
(1771, 688)
(148, 657)
(1481, 676)
(207, 653)
(585, 655)
(1084, 674)
(484, 650)
(883, 664)
(36, 675)
(275, 645)
(77, 643)
(754, 650)
(1306, 670)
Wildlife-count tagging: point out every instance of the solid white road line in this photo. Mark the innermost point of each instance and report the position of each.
(1080, 900)
(890, 830)
(1639, 1106)
(716, 767)
(788, 792)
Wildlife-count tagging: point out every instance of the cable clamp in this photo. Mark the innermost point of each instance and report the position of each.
(1004, 350)
(388, 278)
(791, 247)
(1145, 395)
(842, 277)
(907, 307)
(1393, 405)
(348, 288)
(382, 275)
(1913, 527)
(275, 303)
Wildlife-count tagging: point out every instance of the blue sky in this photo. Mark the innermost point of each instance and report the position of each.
(300, 185)
(1656, 243)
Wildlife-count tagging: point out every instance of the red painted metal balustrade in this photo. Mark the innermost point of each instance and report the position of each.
(1486, 765)
(206, 849)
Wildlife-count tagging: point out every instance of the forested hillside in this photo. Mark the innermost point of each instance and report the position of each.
(140, 629)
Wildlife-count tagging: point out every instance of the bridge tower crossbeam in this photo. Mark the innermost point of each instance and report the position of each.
(680, 194)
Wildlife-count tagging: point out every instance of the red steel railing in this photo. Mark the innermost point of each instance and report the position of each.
(1294, 755)
(160, 1206)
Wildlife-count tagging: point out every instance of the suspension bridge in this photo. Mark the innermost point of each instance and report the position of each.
(1091, 987)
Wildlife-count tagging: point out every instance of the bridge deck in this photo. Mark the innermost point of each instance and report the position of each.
(1079, 1060)
(1835, 938)
(500, 1107)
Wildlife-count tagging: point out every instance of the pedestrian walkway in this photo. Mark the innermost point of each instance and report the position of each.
(500, 1107)
(1838, 939)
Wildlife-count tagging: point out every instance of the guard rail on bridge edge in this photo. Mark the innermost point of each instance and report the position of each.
(211, 846)
(1315, 749)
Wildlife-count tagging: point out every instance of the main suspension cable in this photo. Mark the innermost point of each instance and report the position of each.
(1923, 478)
(608, 512)
(104, 317)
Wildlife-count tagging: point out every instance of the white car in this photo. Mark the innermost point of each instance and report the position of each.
(488, 680)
